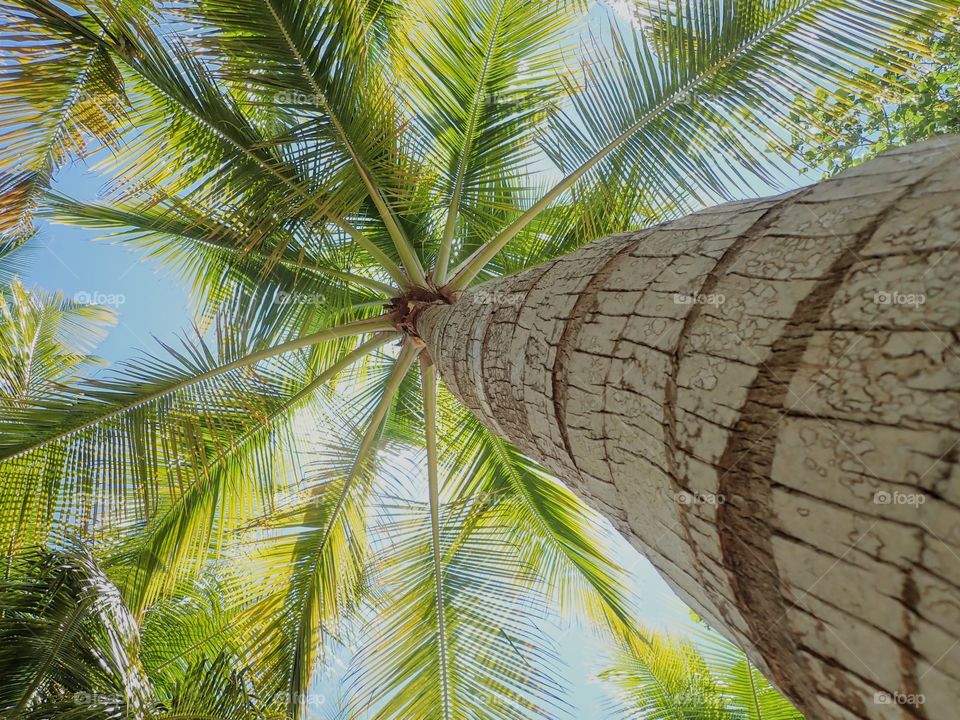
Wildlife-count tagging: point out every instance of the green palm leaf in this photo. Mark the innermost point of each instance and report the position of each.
(564, 540)
(456, 648)
(482, 77)
(709, 679)
(67, 638)
(693, 102)
(62, 97)
(192, 529)
(294, 48)
(300, 283)
(667, 680)
(45, 343)
(743, 686)
(320, 541)
(163, 419)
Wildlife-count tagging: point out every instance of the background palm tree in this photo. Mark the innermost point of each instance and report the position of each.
(709, 679)
(72, 650)
(319, 172)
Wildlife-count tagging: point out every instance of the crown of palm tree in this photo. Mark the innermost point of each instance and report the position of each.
(706, 678)
(318, 170)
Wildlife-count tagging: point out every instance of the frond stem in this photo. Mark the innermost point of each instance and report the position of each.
(404, 249)
(429, 388)
(359, 327)
(446, 242)
(349, 359)
(394, 270)
(404, 361)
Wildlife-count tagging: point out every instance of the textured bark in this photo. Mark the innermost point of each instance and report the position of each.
(757, 398)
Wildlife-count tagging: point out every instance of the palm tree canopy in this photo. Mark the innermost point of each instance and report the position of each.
(706, 679)
(45, 342)
(317, 170)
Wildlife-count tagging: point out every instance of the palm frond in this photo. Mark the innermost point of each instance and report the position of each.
(482, 75)
(14, 261)
(191, 136)
(667, 679)
(300, 276)
(190, 532)
(66, 637)
(590, 211)
(45, 343)
(62, 97)
(563, 540)
(487, 660)
(694, 100)
(318, 547)
(217, 690)
(125, 447)
(188, 628)
(742, 684)
(315, 52)
(705, 678)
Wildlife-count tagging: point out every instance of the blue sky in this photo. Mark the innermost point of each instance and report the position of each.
(148, 302)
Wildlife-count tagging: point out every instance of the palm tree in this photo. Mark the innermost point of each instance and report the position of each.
(680, 680)
(760, 437)
(68, 642)
(331, 176)
(87, 658)
(71, 649)
(45, 342)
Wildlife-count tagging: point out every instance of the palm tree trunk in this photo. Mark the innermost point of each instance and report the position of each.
(764, 398)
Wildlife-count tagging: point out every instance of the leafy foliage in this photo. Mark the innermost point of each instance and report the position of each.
(63, 95)
(709, 679)
(73, 650)
(912, 101)
(68, 642)
(45, 343)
